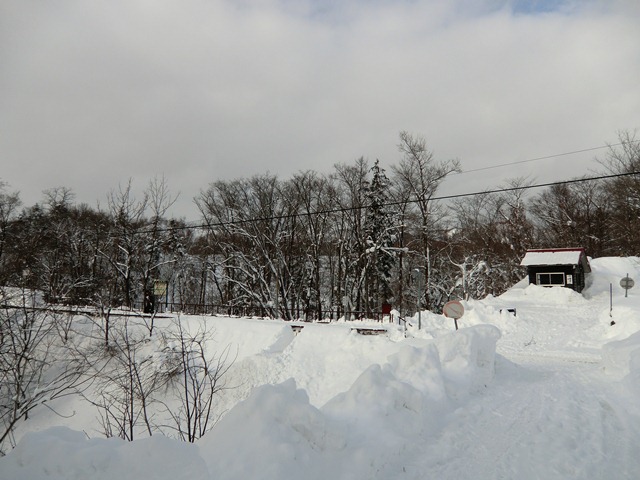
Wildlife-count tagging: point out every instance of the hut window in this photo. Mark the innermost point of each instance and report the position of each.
(549, 279)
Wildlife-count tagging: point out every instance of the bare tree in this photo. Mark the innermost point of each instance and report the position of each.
(126, 383)
(491, 232)
(167, 384)
(251, 234)
(515, 230)
(35, 367)
(160, 199)
(573, 215)
(623, 193)
(199, 377)
(9, 204)
(126, 247)
(310, 195)
(349, 232)
(418, 177)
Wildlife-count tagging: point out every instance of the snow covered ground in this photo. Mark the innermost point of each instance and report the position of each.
(548, 393)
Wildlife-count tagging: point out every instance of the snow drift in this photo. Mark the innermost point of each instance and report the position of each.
(277, 433)
(537, 383)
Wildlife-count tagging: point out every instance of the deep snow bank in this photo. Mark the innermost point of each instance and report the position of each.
(379, 417)
(63, 454)
(622, 357)
(331, 403)
(277, 433)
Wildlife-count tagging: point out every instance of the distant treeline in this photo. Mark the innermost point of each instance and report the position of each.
(348, 241)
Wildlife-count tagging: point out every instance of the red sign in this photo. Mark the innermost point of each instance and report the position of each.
(453, 309)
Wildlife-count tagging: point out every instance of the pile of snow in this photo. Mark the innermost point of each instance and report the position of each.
(537, 383)
(606, 273)
(277, 433)
(59, 453)
(622, 357)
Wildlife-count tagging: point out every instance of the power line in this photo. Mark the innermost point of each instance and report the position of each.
(387, 204)
(538, 185)
(547, 157)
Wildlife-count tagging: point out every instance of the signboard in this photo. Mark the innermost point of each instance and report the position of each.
(627, 283)
(160, 288)
(453, 309)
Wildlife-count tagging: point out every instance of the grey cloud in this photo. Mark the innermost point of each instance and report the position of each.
(96, 92)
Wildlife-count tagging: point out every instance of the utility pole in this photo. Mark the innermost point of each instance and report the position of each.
(418, 276)
(428, 297)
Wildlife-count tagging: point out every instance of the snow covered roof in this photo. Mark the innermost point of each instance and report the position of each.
(557, 256)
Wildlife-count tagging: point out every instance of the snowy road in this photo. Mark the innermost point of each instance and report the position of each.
(541, 420)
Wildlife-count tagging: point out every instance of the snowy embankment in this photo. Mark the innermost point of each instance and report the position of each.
(360, 432)
(558, 400)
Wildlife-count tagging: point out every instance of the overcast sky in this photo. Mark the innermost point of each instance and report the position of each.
(93, 93)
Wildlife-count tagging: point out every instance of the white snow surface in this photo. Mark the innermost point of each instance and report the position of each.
(548, 393)
(552, 257)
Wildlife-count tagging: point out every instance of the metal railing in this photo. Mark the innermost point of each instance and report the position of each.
(264, 312)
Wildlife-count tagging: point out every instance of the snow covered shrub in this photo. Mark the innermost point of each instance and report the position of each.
(197, 377)
(126, 383)
(165, 384)
(36, 366)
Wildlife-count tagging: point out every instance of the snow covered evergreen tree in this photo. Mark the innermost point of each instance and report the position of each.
(380, 238)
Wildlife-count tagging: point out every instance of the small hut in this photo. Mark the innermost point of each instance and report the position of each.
(557, 267)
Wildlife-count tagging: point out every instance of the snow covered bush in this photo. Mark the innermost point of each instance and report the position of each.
(167, 383)
(36, 366)
(197, 378)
